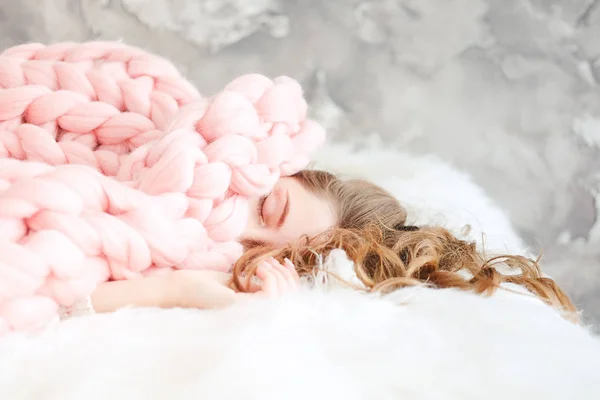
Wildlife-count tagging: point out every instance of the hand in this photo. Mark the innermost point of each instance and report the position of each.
(277, 279)
(200, 289)
(211, 289)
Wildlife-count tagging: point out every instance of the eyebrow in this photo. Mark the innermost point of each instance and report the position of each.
(286, 210)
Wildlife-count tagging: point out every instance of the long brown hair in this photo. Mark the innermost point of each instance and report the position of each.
(389, 254)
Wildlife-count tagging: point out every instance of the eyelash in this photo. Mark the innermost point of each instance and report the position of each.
(261, 203)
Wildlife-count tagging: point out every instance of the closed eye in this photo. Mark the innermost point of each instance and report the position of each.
(286, 210)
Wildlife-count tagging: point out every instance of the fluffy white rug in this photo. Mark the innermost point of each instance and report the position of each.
(416, 344)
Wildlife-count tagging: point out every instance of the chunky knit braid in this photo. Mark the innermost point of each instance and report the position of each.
(113, 166)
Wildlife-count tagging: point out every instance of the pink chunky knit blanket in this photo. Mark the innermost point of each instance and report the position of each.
(113, 166)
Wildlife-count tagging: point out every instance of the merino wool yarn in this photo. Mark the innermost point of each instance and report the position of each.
(113, 166)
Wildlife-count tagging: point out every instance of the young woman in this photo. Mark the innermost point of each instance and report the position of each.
(307, 216)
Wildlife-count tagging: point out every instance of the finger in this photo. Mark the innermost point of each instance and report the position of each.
(291, 285)
(290, 265)
(269, 281)
(288, 276)
(277, 270)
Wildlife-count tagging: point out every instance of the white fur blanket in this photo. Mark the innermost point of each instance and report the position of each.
(417, 344)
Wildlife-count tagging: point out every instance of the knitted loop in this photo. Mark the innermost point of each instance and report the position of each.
(113, 167)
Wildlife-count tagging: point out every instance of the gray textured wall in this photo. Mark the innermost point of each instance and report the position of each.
(504, 89)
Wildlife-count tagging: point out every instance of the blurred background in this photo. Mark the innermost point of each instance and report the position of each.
(505, 90)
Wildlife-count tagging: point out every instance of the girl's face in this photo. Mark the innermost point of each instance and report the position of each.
(287, 213)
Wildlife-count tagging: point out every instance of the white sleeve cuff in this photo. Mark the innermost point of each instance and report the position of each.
(77, 309)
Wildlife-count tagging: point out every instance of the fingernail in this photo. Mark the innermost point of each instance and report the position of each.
(288, 262)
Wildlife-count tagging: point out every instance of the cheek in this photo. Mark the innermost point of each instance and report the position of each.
(310, 223)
